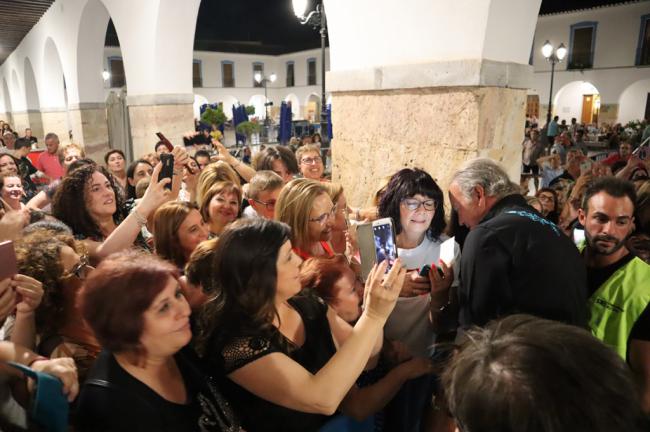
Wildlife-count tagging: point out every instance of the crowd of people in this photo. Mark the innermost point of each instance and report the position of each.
(222, 295)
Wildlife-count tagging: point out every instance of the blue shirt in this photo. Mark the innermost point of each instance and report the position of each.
(552, 129)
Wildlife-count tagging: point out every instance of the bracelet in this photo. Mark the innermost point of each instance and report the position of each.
(142, 221)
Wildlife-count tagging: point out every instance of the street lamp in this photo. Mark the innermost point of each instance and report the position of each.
(106, 75)
(553, 56)
(318, 20)
(261, 79)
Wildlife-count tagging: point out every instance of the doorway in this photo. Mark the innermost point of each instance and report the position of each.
(590, 108)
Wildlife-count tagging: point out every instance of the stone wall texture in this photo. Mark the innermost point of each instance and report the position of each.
(172, 120)
(57, 122)
(90, 129)
(21, 122)
(377, 133)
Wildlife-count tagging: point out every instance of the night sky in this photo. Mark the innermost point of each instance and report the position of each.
(269, 26)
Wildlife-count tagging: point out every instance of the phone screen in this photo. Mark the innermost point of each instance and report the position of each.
(167, 170)
(8, 258)
(385, 243)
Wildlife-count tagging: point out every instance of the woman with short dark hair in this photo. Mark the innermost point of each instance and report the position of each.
(146, 378)
(278, 159)
(116, 163)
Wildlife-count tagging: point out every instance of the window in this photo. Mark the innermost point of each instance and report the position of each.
(291, 80)
(116, 69)
(643, 49)
(311, 71)
(581, 45)
(197, 78)
(227, 74)
(258, 68)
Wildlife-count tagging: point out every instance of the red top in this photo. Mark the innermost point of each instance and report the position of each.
(304, 255)
(49, 164)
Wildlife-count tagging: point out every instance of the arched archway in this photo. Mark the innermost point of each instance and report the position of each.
(258, 102)
(198, 101)
(312, 108)
(6, 99)
(579, 100)
(295, 105)
(633, 101)
(32, 100)
(54, 98)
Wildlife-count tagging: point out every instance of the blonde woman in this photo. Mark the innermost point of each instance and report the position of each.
(307, 208)
(211, 174)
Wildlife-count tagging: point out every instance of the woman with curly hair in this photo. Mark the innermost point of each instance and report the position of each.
(59, 262)
(101, 220)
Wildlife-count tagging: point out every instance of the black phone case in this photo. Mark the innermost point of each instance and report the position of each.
(167, 170)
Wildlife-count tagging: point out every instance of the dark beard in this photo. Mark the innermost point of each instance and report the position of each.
(597, 249)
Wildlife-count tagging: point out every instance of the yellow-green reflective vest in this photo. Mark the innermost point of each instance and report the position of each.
(618, 303)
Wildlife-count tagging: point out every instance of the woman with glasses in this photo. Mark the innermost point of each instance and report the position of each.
(415, 203)
(307, 208)
(548, 199)
(310, 162)
(58, 261)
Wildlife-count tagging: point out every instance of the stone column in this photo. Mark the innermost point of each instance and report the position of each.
(56, 120)
(90, 128)
(427, 84)
(173, 115)
(432, 116)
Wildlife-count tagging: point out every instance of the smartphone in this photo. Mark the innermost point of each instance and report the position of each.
(170, 147)
(448, 251)
(167, 170)
(9, 266)
(165, 141)
(585, 166)
(383, 232)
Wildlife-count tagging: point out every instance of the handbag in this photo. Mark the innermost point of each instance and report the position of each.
(49, 407)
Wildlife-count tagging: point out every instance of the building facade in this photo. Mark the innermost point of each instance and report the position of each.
(605, 77)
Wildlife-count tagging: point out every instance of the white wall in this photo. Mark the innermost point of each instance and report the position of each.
(566, 96)
(633, 101)
(364, 36)
(244, 92)
(613, 70)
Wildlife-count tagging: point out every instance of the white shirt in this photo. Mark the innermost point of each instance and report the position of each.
(409, 322)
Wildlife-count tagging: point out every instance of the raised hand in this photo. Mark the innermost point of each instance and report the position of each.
(382, 291)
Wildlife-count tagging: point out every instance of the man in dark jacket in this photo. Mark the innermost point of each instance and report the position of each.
(513, 260)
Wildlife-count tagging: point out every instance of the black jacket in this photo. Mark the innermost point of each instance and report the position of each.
(515, 261)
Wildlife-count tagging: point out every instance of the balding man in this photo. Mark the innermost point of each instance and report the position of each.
(513, 260)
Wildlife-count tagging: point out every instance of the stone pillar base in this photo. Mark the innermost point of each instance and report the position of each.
(172, 119)
(90, 129)
(57, 122)
(21, 122)
(378, 132)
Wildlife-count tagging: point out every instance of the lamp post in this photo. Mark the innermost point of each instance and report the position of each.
(261, 79)
(554, 56)
(318, 20)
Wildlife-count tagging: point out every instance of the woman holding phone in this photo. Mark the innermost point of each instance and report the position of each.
(416, 205)
(286, 361)
(100, 220)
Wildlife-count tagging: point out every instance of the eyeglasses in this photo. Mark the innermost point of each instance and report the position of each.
(322, 219)
(413, 204)
(80, 270)
(270, 204)
(545, 198)
(311, 161)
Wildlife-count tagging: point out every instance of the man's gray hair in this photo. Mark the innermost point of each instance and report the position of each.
(51, 135)
(486, 173)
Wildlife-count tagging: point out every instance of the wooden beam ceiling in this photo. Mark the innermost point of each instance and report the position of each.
(17, 17)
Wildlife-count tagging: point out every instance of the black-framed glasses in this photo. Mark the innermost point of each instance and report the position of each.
(414, 204)
(311, 161)
(270, 204)
(322, 219)
(80, 270)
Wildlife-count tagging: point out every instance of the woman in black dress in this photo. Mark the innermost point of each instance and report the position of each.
(285, 360)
